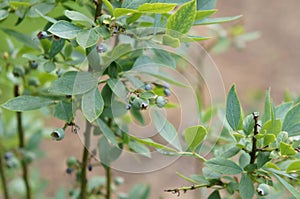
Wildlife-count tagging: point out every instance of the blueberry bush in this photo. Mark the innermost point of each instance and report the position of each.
(107, 68)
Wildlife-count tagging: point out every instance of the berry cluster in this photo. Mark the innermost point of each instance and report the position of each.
(141, 99)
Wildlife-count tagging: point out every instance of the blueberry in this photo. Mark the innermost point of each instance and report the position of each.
(160, 101)
(18, 71)
(8, 155)
(263, 189)
(148, 87)
(72, 161)
(58, 134)
(42, 35)
(128, 107)
(33, 64)
(167, 92)
(33, 81)
(69, 170)
(166, 86)
(90, 167)
(116, 30)
(101, 48)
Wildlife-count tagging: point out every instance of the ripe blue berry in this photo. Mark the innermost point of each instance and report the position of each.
(90, 167)
(42, 35)
(33, 64)
(8, 155)
(166, 86)
(128, 107)
(167, 92)
(18, 71)
(33, 81)
(101, 48)
(69, 170)
(148, 87)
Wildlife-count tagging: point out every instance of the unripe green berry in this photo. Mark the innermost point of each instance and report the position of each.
(160, 101)
(33, 81)
(72, 161)
(58, 134)
(28, 156)
(18, 71)
(118, 181)
(136, 103)
(263, 189)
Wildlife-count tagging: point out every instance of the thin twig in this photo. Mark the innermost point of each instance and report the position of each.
(84, 162)
(185, 189)
(108, 182)
(254, 144)
(3, 179)
(21, 136)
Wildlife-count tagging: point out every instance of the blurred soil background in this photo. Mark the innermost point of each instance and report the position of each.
(270, 61)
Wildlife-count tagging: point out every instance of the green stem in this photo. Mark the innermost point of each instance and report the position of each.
(84, 162)
(108, 182)
(3, 179)
(21, 136)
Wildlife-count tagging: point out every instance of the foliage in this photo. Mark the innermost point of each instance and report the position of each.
(108, 60)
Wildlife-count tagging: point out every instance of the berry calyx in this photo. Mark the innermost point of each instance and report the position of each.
(263, 189)
(42, 35)
(58, 134)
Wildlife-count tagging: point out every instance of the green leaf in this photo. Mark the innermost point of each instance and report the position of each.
(117, 52)
(118, 88)
(149, 142)
(201, 14)
(109, 6)
(246, 187)
(214, 195)
(244, 159)
(190, 38)
(166, 130)
(23, 38)
(291, 122)
(43, 8)
(268, 108)
(64, 29)
(87, 38)
(123, 11)
(139, 148)
(77, 16)
(139, 191)
(273, 127)
(209, 173)
(27, 103)
(248, 124)
(170, 41)
(34, 141)
(107, 153)
(288, 186)
(107, 132)
(138, 116)
(56, 47)
(156, 7)
(294, 167)
(194, 136)
(262, 158)
(3, 14)
(92, 104)
(286, 149)
(233, 109)
(49, 66)
(64, 111)
(282, 109)
(208, 21)
(224, 166)
(182, 20)
(164, 57)
(268, 139)
(206, 4)
(74, 83)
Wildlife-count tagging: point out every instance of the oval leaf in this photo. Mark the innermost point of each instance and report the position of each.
(194, 136)
(166, 130)
(292, 120)
(92, 104)
(246, 187)
(64, 29)
(77, 16)
(27, 103)
(233, 109)
(74, 83)
(224, 166)
(87, 38)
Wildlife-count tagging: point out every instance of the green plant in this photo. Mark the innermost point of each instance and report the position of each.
(110, 61)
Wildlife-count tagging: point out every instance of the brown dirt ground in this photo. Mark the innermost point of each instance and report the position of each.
(271, 61)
